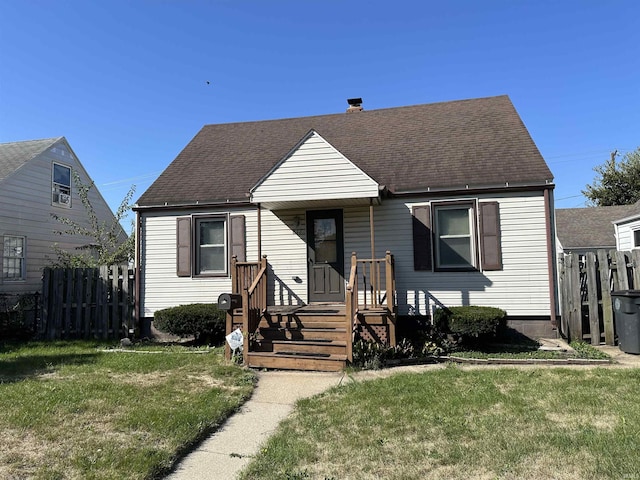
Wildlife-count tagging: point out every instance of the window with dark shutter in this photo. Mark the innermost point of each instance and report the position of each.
(490, 242)
(422, 256)
(183, 243)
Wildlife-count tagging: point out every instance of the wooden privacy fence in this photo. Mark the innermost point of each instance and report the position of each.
(586, 283)
(87, 302)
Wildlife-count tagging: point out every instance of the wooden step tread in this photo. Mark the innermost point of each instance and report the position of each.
(297, 361)
(319, 343)
(306, 329)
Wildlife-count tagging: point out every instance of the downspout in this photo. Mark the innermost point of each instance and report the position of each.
(136, 272)
(374, 265)
(259, 232)
(549, 219)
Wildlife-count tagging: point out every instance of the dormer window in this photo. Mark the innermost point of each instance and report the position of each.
(61, 185)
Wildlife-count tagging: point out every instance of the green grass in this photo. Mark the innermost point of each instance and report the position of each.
(73, 411)
(455, 423)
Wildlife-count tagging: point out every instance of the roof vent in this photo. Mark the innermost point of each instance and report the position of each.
(355, 105)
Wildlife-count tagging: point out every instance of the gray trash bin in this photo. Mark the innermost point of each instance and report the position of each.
(626, 307)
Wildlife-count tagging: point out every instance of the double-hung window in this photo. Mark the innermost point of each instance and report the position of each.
(454, 236)
(13, 259)
(211, 248)
(205, 244)
(61, 185)
(458, 235)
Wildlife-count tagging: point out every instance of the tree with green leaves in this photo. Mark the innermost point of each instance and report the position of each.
(107, 243)
(617, 182)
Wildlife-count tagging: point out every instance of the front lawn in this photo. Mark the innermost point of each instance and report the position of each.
(71, 410)
(454, 423)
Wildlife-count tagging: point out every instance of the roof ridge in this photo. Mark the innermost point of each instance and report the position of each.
(383, 109)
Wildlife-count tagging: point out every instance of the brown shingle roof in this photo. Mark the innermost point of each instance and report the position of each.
(590, 227)
(479, 142)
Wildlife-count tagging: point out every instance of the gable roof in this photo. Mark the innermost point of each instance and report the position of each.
(450, 145)
(14, 155)
(590, 227)
(630, 215)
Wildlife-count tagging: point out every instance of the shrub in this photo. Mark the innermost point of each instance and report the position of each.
(369, 355)
(17, 316)
(202, 320)
(471, 322)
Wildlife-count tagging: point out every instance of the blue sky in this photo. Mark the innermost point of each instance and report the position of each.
(126, 81)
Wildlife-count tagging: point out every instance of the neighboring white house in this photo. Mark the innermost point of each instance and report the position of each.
(456, 191)
(627, 228)
(36, 182)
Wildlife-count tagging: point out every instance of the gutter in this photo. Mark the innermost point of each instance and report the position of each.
(547, 185)
(191, 206)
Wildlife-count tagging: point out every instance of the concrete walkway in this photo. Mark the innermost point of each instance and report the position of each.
(230, 449)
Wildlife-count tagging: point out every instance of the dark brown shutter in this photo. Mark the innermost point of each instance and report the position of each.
(422, 258)
(183, 243)
(490, 242)
(238, 243)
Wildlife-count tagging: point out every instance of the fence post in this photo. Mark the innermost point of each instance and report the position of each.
(592, 298)
(575, 305)
(605, 291)
(621, 279)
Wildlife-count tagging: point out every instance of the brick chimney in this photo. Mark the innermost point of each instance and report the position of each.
(355, 105)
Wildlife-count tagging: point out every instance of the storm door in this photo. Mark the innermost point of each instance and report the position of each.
(325, 251)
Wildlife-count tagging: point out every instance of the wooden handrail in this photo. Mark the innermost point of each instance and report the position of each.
(351, 306)
(257, 280)
(249, 280)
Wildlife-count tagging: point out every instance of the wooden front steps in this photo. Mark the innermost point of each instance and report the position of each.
(301, 338)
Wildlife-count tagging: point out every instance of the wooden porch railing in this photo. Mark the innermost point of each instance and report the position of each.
(249, 279)
(351, 305)
(378, 281)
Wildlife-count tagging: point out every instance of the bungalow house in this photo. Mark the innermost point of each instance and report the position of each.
(36, 182)
(353, 221)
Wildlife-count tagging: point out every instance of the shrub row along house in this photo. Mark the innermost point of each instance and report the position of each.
(353, 220)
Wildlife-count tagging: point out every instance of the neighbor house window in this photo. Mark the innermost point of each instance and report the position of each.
(211, 248)
(13, 260)
(636, 239)
(61, 185)
(454, 236)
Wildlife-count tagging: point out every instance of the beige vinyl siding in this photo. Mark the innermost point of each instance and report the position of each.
(26, 208)
(282, 242)
(315, 171)
(159, 284)
(521, 287)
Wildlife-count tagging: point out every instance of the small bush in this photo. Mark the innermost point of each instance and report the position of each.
(17, 316)
(202, 320)
(369, 355)
(471, 322)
